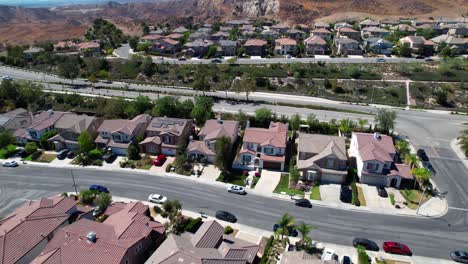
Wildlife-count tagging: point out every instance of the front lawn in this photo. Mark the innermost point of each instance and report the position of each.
(46, 158)
(235, 177)
(412, 198)
(315, 193)
(283, 186)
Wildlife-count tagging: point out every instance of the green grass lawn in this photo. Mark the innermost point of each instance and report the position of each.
(392, 199)
(315, 194)
(235, 177)
(413, 196)
(255, 181)
(283, 186)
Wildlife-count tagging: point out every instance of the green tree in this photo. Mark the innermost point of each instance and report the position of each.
(304, 229)
(263, 116)
(85, 142)
(295, 122)
(69, 69)
(172, 210)
(404, 50)
(203, 109)
(385, 120)
(87, 196)
(143, 104)
(200, 82)
(6, 138)
(246, 84)
(165, 106)
(411, 160)
(285, 223)
(362, 123)
(147, 67)
(362, 255)
(145, 28)
(422, 176)
(133, 153)
(464, 142)
(222, 150)
(225, 85)
(133, 42)
(211, 51)
(347, 125)
(43, 141)
(30, 148)
(103, 200)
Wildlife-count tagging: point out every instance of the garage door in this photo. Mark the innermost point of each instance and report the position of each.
(373, 180)
(119, 151)
(271, 165)
(332, 178)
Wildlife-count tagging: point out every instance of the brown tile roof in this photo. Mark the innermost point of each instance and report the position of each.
(175, 36)
(321, 146)
(285, 42)
(255, 42)
(275, 135)
(404, 27)
(214, 129)
(375, 29)
(401, 170)
(28, 225)
(89, 45)
(371, 148)
(152, 37)
(280, 26)
(321, 30)
(75, 123)
(315, 40)
(173, 126)
(45, 119)
(199, 147)
(346, 29)
(125, 126)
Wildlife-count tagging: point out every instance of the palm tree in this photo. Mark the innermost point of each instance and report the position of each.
(285, 223)
(362, 123)
(411, 159)
(422, 176)
(304, 229)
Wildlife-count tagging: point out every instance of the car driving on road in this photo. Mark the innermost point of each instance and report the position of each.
(396, 248)
(459, 256)
(366, 243)
(236, 189)
(303, 203)
(98, 188)
(10, 164)
(226, 216)
(157, 198)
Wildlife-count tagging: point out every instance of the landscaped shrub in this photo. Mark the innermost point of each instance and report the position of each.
(157, 209)
(87, 196)
(363, 258)
(228, 230)
(267, 251)
(194, 224)
(392, 198)
(95, 154)
(30, 148)
(168, 167)
(355, 199)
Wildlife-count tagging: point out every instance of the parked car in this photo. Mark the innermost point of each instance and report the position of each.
(459, 256)
(366, 243)
(71, 154)
(225, 216)
(291, 230)
(10, 164)
(346, 260)
(422, 155)
(157, 198)
(216, 60)
(97, 211)
(98, 188)
(182, 59)
(429, 167)
(428, 59)
(160, 159)
(345, 194)
(381, 191)
(62, 154)
(303, 203)
(419, 57)
(236, 189)
(381, 60)
(396, 248)
(329, 254)
(109, 157)
(21, 153)
(7, 78)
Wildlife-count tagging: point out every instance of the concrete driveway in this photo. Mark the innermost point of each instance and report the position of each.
(268, 181)
(161, 170)
(373, 200)
(330, 193)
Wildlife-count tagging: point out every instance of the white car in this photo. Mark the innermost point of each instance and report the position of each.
(10, 164)
(157, 198)
(7, 78)
(236, 189)
(329, 254)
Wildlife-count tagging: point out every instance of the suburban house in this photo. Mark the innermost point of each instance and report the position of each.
(284, 46)
(419, 44)
(227, 48)
(199, 47)
(375, 160)
(118, 134)
(378, 32)
(368, 23)
(281, 28)
(15, 119)
(91, 48)
(296, 33)
(457, 45)
(269, 33)
(322, 158)
(69, 128)
(321, 25)
(165, 46)
(347, 46)
(341, 25)
(31, 51)
(198, 35)
(388, 23)
(26, 232)
(180, 30)
(378, 46)
(255, 47)
(208, 245)
(348, 32)
(214, 129)
(40, 124)
(126, 237)
(321, 32)
(263, 147)
(152, 38)
(404, 28)
(315, 45)
(65, 46)
(175, 36)
(302, 257)
(220, 35)
(164, 134)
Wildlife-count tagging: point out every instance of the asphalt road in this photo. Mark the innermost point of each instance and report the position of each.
(425, 236)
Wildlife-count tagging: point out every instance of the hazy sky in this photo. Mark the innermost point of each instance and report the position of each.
(52, 2)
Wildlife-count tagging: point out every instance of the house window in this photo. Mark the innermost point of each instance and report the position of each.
(246, 158)
(330, 163)
(370, 166)
(250, 145)
(268, 150)
(116, 137)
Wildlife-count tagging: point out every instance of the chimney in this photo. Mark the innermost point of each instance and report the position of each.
(50, 112)
(219, 120)
(377, 136)
(91, 237)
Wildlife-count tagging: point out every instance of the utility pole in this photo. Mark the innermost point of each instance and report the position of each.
(74, 184)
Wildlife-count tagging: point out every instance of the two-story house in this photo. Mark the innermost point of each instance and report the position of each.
(321, 32)
(368, 23)
(375, 160)
(69, 128)
(284, 46)
(118, 134)
(281, 28)
(322, 158)
(15, 119)
(214, 129)
(419, 44)
(164, 134)
(296, 34)
(348, 32)
(315, 45)
(263, 147)
(321, 24)
(255, 47)
(347, 46)
(227, 48)
(40, 124)
(199, 47)
(377, 32)
(166, 46)
(378, 46)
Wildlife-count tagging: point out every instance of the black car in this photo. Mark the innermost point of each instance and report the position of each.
(346, 260)
(381, 191)
(71, 154)
(366, 243)
(291, 231)
(428, 166)
(459, 256)
(303, 203)
(345, 194)
(62, 154)
(216, 60)
(225, 216)
(422, 155)
(22, 153)
(109, 157)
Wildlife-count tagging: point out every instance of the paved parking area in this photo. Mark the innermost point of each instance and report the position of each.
(268, 181)
(330, 193)
(113, 165)
(373, 200)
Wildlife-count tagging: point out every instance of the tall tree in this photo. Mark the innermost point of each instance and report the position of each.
(6, 138)
(225, 85)
(285, 223)
(295, 122)
(411, 160)
(203, 109)
(362, 123)
(385, 120)
(201, 82)
(222, 149)
(143, 104)
(85, 142)
(402, 146)
(304, 229)
(246, 84)
(69, 69)
(263, 116)
(422, 176)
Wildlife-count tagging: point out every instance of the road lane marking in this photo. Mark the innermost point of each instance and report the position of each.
(441, 139)
(444, 158)
(460, 209)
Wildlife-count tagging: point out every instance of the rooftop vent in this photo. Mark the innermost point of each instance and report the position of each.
(377, 136)
(91, 236)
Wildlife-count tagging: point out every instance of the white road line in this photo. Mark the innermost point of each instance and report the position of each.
(438, 157)
(438, 139)
(460, 209)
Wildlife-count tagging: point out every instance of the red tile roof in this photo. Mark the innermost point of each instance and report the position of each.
(321, 30)
(255, 42)
(372, 148)
(89, 45)
(275, 135)
(152, 37)
(346, 29)
(285, 42)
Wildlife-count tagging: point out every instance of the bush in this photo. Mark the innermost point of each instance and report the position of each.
(355, 199)
(30, 148)
(95, 154)
(363, 258)
(267, 251)
(228, 230)
(392, 198)
(103, 200)
(87, 196)
(194, 224)
(97, 163)
(168, 168)
(157, 209)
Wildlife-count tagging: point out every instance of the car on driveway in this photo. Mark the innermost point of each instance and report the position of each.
(459, 256)
(71, 154)
(346, 260)
(226, 216)
(216, 60)
(422, 155)
(157, 198)
(381, 191)
(291, 230)
(329, 254)
(109, 157)
(236, 189)
(396, 248)
(62, 154)
(10, 164)
(345, 194)
(366, 243)
(98, 188)
(303, 203)
(160, 159)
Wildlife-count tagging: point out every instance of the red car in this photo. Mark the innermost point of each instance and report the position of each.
(396, 248)
(160, 159)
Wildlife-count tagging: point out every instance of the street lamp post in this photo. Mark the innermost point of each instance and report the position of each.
(74, 184)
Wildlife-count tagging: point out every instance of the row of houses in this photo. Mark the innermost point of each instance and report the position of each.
(59, 230)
